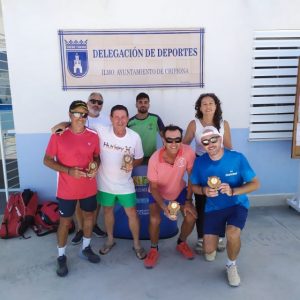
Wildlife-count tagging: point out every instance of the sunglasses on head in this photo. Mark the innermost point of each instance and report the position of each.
(94, 101)
(79, 114)
(176, 140)
(212, 140)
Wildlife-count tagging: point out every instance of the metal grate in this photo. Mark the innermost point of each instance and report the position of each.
(274, 77)
(9, 175)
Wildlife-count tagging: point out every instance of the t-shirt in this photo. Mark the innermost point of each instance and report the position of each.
(233, 168)
(101, 120)
(74, 150)
(111, 178)
(147, 129)
(170, 177)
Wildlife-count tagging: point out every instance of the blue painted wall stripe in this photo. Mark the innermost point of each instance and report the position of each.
(271, 161)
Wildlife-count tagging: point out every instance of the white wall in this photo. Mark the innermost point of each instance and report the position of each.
(35, 73)
(34, 60)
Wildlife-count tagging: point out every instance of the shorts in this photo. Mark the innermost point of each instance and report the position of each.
(180, 199)
(67, 207)
(215, 221)
(125, 200)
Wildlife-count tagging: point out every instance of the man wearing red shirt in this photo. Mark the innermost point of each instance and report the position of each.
(70, 155)
(166, 169)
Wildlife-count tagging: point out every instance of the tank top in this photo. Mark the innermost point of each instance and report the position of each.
(199, 128)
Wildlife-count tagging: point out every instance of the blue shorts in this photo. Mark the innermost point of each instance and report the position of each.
(67, 207)
(180, 199)
(215, 221)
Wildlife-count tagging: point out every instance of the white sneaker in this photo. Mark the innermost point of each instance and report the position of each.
(233, 275)
(221, 245)
(199, 246)
(210, 256)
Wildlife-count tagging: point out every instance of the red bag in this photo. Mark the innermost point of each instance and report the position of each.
(19, 214)
(47, 219)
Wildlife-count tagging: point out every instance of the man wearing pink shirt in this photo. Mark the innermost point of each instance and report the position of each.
(166, 169)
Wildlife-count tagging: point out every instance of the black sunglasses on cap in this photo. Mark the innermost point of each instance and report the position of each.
(212, 140)
(94, 101)
(79, 114)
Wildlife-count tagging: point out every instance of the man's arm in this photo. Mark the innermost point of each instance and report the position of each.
(197, 189)
(204, 190)
(158, 198)
(138, 152)
(246, 188)
(137, 162)
(188, 206)
(160, 125)
(60, 127)
(51, 163)
(189, 194)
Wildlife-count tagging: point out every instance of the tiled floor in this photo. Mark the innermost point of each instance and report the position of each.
(269, 265)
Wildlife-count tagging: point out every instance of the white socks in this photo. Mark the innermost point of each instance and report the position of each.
(85, 242)
(230, 262)
(61, 251)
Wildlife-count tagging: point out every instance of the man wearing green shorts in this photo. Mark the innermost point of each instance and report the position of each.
(121, 150)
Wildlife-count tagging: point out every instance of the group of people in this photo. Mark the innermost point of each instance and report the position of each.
(94, 157)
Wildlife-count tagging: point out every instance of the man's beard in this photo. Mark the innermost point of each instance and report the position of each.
(94, 112)
(143, 110)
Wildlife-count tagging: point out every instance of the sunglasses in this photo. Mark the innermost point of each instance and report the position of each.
(94, 101)
(79, 114)
(175, 140)
(212, 140)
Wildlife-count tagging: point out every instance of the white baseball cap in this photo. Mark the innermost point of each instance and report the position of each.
(209, 130)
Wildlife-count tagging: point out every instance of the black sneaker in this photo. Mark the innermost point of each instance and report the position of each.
(97, 231)
(77, 239)
(62, 269)
(87, 253)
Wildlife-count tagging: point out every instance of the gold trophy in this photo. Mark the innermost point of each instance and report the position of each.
(214, 182)
(127, 162)
(91, 169)
(173, 208)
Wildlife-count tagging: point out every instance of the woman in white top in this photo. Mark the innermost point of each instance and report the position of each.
(208, 113)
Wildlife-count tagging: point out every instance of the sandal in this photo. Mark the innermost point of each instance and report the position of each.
(106, 248)
(140, 253)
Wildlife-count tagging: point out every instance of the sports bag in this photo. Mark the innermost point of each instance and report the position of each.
(19, 214)
(47, 219)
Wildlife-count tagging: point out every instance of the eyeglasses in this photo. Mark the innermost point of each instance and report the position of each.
(176, 140)
(94, 101)
(79, 114)
(212, 140)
